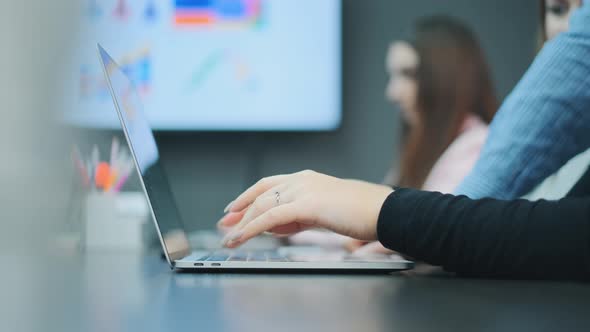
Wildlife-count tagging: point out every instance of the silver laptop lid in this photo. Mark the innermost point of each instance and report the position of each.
(144, 149)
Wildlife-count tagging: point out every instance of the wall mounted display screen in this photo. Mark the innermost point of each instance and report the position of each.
(229, 65)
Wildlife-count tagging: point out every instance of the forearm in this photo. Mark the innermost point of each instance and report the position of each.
(489, 238)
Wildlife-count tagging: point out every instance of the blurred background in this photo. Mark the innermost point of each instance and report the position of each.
(45, 64)
(206, 170)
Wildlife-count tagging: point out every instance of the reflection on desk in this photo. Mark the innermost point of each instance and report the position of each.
(113, 292)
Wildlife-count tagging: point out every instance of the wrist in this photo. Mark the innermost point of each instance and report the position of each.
(386, 215)
(381, 197)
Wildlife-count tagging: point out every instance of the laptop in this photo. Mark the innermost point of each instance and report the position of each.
(170, 229)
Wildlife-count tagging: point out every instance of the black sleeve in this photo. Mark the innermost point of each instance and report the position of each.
(490, 238)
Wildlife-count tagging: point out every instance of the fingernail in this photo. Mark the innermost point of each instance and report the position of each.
(233, 238)
(226, 210)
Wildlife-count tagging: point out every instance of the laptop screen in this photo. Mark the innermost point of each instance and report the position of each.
(147, 159)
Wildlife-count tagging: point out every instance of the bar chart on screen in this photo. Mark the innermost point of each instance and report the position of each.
(210, 13)
(212, 64)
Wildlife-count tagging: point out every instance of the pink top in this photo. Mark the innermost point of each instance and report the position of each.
(459, 158)
(446, 174)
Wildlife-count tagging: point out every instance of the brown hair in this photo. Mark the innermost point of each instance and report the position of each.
(453, 81)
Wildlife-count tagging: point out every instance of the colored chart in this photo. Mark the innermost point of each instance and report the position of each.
(235, 69)
(211, 64)
(150, 11)
(94, 11)
(198, 13)
(137, 66)
(92, 83)
(121, 10)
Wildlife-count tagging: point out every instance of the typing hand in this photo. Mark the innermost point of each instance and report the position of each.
(287, 204)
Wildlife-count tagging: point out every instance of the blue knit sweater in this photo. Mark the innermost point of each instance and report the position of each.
(543, 123)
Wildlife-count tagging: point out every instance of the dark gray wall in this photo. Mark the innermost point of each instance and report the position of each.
(207, 170)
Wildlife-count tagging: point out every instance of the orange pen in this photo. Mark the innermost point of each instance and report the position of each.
(102, 175)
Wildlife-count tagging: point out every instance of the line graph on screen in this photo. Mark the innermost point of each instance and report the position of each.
(235, 69)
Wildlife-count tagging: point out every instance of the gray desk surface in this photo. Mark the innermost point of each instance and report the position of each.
(113, 292)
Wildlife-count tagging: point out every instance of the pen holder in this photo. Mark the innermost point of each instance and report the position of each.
(118, 221)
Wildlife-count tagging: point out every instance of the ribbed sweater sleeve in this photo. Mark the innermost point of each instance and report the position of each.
(490, 238)
(543, 123)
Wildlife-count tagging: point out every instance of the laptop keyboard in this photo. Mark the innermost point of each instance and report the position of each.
(244, 256)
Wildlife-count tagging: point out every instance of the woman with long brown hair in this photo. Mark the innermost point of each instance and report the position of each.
(440, 80)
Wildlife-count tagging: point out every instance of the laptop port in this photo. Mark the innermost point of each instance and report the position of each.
(215, 264)
(199, 264)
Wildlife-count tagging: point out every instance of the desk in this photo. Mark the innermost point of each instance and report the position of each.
(114, 292)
